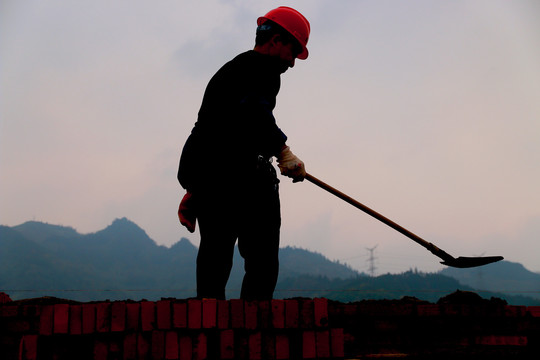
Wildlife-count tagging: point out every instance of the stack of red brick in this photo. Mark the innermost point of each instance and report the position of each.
(50, 328)
(488, 329)
(179, 329)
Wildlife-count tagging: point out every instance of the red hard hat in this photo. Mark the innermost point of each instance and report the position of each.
(292, 21)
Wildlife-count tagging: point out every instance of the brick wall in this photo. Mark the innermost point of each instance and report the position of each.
(171, 329)
(300, 328)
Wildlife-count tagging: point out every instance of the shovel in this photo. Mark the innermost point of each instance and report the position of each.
(449, 260)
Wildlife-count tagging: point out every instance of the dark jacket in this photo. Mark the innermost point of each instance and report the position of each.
(235, 124)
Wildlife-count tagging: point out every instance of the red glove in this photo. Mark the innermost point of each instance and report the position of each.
(186, 212)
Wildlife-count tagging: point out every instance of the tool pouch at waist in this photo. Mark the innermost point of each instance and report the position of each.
(265, 173)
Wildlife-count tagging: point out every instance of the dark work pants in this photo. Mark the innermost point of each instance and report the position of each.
(250, 215)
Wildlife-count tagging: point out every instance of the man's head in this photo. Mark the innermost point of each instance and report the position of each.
(283, 33)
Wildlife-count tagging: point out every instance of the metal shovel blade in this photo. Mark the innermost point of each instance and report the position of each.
(468, 262)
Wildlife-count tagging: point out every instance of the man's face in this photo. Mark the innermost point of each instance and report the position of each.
(287, 56)
(286, 52)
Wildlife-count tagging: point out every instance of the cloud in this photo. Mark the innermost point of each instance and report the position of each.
(426, 111)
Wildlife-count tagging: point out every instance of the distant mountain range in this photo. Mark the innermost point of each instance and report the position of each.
(504, 276)
(122, 262)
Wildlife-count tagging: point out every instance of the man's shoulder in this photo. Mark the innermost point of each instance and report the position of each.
(241, 63)
(243, 58)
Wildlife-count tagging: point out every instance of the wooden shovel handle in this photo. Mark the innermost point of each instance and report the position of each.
(435, 250)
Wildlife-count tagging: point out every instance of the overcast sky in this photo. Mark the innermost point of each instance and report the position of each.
(426, 111)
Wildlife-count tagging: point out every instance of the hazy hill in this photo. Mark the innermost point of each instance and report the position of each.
(38, 256)
(39, 232)
(429, 287)
(121, 256)
(424, 286)
(122, 262)
(503, 276)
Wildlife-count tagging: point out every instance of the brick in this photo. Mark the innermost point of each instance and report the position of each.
(103, 317)
(282, 347)
(143, 346)
(148, 316)
(118, 316)
(428, 310)
(306, 314)
(322, 339)
(101, 350)
(222, 314)
(486, 340)
(501, 340)
(4, 298)
(495, 311)
(29, 310)
(337, 343)
(180, 315)
(226, 344)
(265, 314)
(517, 340)
(237, 313)
(200, 351)
(320, 306)
(133, 315)
(388, 325)
(349, 309)
(268, 345)
(241, 344)
(451, 309)
(194, 314)
(534, 310)
(28, 347)
(88, 318)
(171, 345)
(115, 348)
(401, 309)
(250, 313)
(186, 348)
(46, 320)
(372, 308)
(163, 308)
(209, 313)
(158, 345)
(17, 326)
(291, 313)
(61, 318)
(278, 314)
(309, 347)
(515, 311)
(9, 311)
(467, 310)
(479, 310)
(255, 346)
(130, 346)
(75, 319)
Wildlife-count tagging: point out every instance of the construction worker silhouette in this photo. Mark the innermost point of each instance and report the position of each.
(231, 185)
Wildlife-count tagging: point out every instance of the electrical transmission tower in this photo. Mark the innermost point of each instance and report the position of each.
(371, 260)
